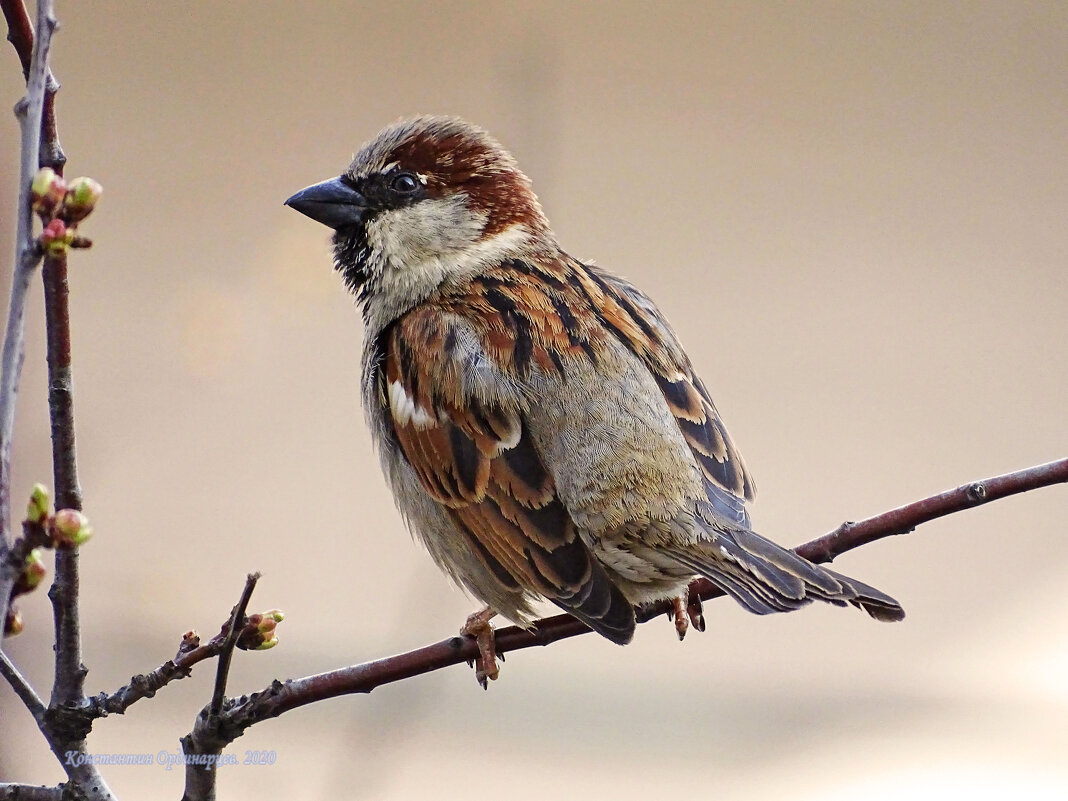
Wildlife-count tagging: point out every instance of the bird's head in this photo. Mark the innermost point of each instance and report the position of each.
(427, 201)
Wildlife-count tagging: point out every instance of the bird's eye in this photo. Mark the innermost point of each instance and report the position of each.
(404, 182)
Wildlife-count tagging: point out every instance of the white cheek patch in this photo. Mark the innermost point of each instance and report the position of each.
(405, 412)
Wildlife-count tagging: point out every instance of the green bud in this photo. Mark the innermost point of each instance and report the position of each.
(258, 631)
(40, 505)
(81, 198)
(32, 573)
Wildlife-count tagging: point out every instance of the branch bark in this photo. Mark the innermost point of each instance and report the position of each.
(281, 697)
(22, 688)
(145, 685)
(65, 722)
(30, 792)
(33, 54)
(204, 744)
(68, 686)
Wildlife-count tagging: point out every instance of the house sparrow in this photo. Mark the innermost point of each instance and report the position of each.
(538, 421)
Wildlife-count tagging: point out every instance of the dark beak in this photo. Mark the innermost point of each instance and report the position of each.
(332, 203)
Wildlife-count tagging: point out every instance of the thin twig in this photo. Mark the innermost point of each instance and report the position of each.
(222, 673)
(203, 745)
(20, 34)
(63, 724)
(281, 697)
(145, 685)
(23, 689)
(905, 518)
(27, 254)
(68, 687)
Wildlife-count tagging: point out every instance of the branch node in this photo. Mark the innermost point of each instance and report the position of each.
(70, 723)
(977, 492)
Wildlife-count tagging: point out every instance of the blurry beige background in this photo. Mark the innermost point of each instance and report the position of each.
(854, 213)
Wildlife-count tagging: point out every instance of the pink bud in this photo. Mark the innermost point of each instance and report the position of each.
(47, 191)
(71, 528)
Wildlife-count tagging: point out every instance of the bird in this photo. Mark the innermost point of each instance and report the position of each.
(541, 427)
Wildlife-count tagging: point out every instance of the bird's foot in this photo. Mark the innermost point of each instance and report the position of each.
(678, 614)
(478, 626)
(687, 610)
(694, 609)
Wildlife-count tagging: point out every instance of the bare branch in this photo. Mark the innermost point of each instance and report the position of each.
(29, 697)
(30, 792)
(20, 34)
(905, 518)
(232, 633)
(203, 745)
(145, 685)
(281, 697)
(29, 112)
(68, 687)
(64, 723)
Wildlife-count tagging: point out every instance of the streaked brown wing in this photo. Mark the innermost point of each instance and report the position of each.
(472, 455)
(637, 322)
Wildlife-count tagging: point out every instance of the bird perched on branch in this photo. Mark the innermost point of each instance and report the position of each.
(540, 425)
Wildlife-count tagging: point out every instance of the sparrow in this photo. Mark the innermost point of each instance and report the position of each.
(541, 427)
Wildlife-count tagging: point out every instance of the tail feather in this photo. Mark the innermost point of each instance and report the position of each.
(765, 577)
(760, 549)
(602, 606)
(876, 603)
(751, 594)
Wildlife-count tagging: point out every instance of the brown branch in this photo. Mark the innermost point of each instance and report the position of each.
(233, 630)
(68, 687)
(905, 518)
(203, 745)
(20, 34)
(145, 685)
(281, 697)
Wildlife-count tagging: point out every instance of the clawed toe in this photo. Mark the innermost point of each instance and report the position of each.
(485, 664)
(678, 615)
(687, 610)
(695, 609)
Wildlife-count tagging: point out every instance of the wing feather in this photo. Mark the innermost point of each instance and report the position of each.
(472, 454)
(636, 320)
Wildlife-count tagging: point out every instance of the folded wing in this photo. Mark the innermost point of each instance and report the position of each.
(469, 448)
